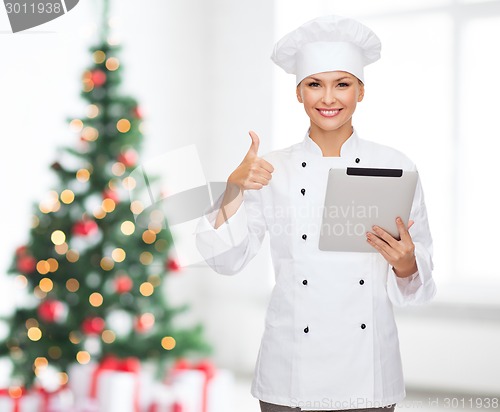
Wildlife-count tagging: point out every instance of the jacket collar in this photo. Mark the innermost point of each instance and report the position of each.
(348, 148)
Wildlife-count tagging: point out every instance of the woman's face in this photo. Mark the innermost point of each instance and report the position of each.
(330, 99)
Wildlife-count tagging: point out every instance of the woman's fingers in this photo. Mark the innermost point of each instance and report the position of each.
(382, 234)
(404, 235)
(381, 246)
(266, 165)
(399, 253)
(403, 230)
(261, 176)
(253, 172)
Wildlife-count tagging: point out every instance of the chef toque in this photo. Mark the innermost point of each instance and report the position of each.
(327, 43)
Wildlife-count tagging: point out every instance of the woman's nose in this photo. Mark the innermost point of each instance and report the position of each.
(329, 96)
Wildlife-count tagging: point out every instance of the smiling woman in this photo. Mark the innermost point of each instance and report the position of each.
(330, 100)
(334, 309)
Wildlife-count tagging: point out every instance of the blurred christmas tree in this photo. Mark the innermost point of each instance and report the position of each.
(94, 275)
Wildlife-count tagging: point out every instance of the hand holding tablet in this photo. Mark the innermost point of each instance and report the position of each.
(357, 199)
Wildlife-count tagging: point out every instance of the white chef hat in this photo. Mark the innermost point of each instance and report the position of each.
(327, 43)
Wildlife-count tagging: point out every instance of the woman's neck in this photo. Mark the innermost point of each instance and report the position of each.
(330, 141)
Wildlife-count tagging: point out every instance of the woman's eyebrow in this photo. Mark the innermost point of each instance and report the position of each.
(336, 80)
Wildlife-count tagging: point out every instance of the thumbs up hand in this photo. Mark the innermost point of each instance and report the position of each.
(253, 172)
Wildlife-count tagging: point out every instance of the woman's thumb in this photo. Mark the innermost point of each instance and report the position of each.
(254, 147)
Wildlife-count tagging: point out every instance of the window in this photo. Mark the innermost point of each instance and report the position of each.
(434, 96)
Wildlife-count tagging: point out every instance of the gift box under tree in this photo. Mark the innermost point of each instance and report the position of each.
(201, 387)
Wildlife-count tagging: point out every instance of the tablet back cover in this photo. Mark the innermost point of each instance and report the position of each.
(358, 198)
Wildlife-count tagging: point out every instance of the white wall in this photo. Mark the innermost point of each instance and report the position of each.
(451, 350)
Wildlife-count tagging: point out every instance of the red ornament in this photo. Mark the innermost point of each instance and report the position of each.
(93, 325)
(137, 112)
(144, 322)
(111, 194)
(123, 284)
(22, 250)
(85, 228)
(98, 77)
(128, 158)
(177, 407)
(26, 264)
(52, 311)
(172, 265)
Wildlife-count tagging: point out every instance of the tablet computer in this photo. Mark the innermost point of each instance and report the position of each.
(358, 198)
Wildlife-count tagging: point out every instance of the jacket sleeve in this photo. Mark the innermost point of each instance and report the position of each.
(229, 248)
(420, 287)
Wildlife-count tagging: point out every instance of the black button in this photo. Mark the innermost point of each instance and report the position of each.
(361, 282)
(304, 236)
(303, 191)
(306, 330)
(363, 326)
(304, 282)
(303, 164)
(357, 160)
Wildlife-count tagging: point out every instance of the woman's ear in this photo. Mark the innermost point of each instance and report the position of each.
(299, 95)
(361, 94)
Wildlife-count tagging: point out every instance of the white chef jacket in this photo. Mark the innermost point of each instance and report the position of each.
(330, 338)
